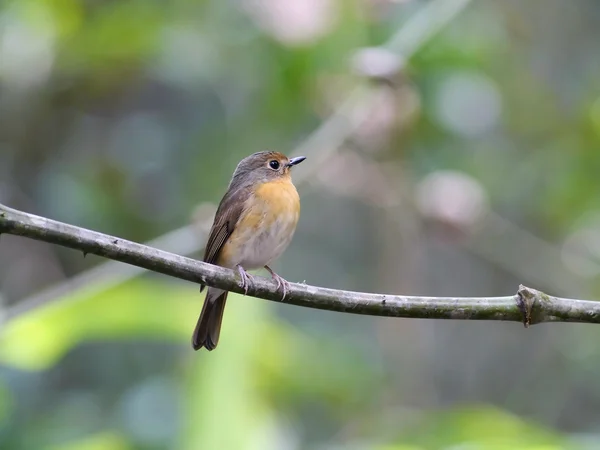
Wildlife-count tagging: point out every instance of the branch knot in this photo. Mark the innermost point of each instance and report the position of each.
(529, 303)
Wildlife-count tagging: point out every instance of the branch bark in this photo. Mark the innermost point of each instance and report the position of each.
(528, 305)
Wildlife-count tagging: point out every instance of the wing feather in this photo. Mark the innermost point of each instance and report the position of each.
(228, 214)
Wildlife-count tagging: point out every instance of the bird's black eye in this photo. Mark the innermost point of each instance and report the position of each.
(274, 164)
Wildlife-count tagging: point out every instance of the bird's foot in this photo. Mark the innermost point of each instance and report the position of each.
(282, 284)
(246, 279)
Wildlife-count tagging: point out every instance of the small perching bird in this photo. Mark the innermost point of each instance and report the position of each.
(254, 224)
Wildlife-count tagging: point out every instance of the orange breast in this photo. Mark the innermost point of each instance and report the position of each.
(281, 196)
(266, 226)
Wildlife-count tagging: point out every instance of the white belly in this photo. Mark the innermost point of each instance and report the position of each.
(261, 248)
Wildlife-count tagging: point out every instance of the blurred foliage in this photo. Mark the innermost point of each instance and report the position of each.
(38, 340)
(477, 161)
(482, 428)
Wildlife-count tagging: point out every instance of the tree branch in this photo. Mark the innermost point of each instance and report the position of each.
(527, 305)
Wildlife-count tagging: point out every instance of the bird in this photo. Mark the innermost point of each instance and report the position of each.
(254, 224)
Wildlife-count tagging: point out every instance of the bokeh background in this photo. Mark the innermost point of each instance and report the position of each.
(453, 149)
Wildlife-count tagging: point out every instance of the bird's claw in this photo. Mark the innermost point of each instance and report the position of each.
(282, 284)
(246, 279)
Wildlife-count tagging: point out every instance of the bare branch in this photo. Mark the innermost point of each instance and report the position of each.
(528, 305)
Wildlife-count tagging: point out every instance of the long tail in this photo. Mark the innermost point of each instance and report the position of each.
(208, 327)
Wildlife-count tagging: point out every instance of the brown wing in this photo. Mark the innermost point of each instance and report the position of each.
(226, 218)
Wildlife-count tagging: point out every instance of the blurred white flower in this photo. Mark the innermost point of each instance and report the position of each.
(386, 110)
(468, 103)
(294, 22)
(377, 62)
(451, 197)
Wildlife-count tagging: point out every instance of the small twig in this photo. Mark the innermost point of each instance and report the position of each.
(528, 305)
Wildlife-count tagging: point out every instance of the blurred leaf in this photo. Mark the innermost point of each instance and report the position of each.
(224, 408)
(117, 32)
(482, 427)
(35, 341)
(300, 369)
(67, 15)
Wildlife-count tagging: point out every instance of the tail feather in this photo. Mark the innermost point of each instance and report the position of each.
(208, 328)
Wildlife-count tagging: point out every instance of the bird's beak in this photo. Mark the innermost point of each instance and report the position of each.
(296, 160)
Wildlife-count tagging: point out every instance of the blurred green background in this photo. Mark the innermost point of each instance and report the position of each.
(465, 164)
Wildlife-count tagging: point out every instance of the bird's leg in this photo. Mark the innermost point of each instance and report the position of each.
(246, 278)
(282, 284)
